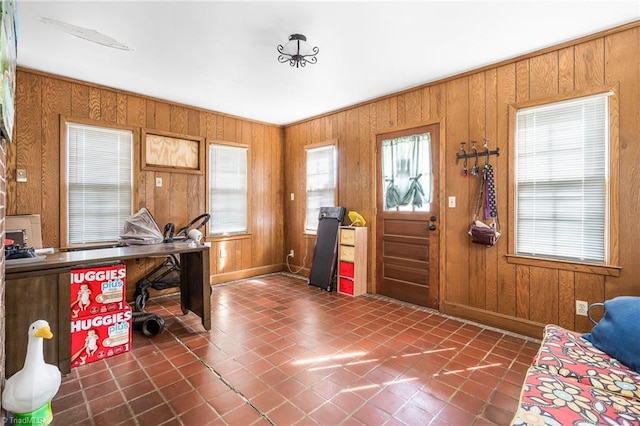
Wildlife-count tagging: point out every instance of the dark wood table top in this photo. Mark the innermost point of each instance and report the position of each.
(64, 259)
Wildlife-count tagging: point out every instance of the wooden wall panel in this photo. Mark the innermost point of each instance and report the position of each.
(29, 128)
(543, 295)
(589, 64)
(622, 59)
(523, 289)
(566, 299)
(94, 103)
(522, 81)
(79, 101)
(491, 129)
(477, 253)
(42, 99)
(543, 75)
(506, 94)
(108, 106)
(163, 116)
(566, 71)
(458, 219)
(56, 97)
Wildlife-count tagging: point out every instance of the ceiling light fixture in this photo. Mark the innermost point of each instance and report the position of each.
(297, 51)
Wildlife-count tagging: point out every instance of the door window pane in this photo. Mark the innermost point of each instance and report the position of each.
(407, 179)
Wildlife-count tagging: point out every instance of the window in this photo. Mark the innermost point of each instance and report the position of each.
(321, 183)
(228, 189)
(99, 183)
(561, 180)
(407, 178)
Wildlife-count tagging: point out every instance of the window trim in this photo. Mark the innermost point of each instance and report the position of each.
(207, 199)
(64, 188)
(330, 142)
(613, 188)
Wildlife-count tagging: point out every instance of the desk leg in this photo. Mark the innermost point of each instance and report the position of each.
(195, 287)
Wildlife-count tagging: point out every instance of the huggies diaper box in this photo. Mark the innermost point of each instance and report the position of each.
(100, 289)
(100, 336)
(100, 316)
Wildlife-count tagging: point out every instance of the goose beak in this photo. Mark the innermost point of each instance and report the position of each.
(44, 332)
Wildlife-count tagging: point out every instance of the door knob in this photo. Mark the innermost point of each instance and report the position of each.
(432, 218)
(432, 227)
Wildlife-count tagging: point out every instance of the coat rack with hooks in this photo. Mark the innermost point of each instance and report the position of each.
(463, 154)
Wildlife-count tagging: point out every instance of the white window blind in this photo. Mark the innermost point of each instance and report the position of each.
(321, 182)
(562, 180)
(99, 182)
(228, 189)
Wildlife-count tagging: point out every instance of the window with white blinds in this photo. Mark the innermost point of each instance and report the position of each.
(562, 175)
(227, 189)
(321, 183)
(99, 182)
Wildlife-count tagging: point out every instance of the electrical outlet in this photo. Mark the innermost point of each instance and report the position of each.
(452, 202)
(581, 308)
(291, 253)
(158, 182)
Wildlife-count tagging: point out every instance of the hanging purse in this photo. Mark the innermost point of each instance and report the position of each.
(480, 232)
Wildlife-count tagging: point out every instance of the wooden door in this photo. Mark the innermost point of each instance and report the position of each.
(407, 215)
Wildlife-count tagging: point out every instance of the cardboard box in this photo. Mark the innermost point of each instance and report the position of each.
(98, 290)
(31, 225)
(100, 336)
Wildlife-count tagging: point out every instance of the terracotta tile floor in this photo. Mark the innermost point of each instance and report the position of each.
(281, 352)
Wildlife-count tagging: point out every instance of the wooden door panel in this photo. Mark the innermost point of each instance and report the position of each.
(406, 251)
(403, 290)
(407, 235)
(403, 262)
(404, 228)
(418, 275)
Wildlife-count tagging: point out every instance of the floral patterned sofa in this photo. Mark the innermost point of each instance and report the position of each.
(571, 382)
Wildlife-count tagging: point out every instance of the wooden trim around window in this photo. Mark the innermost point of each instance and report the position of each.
(613, 190)
(207, 195)
(64, 189)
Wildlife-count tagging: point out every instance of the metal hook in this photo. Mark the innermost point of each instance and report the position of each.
(464, 155)
(486, 149)
(459, 156)
(475, 168)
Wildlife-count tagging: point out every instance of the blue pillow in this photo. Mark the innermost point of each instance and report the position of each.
(618, 332)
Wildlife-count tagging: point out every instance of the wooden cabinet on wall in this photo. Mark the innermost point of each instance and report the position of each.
(352, 261)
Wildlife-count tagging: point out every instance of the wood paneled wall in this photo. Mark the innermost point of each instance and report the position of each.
(41, 100)
(476, 282)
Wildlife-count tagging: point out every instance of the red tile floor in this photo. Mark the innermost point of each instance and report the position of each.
(281, 352)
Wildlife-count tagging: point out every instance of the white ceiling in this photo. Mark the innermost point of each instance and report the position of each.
(221, 55)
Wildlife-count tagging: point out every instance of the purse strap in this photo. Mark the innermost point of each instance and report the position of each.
(491, 205)
(476, 212)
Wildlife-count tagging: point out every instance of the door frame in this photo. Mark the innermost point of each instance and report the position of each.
(442, 220)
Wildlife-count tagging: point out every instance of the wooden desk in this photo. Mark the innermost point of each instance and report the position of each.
(41, 290)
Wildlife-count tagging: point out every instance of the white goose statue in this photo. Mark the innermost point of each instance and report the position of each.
(32, 388)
